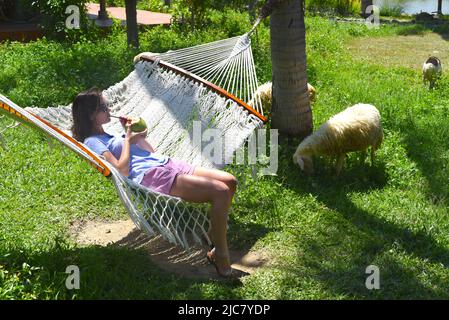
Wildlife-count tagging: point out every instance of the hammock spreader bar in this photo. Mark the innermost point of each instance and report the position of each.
(27, 117)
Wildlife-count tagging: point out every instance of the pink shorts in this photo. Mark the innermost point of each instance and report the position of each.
(161, 178)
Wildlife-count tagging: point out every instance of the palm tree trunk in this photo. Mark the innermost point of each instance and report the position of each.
(131, 23)
(291, 113)
(440, 5)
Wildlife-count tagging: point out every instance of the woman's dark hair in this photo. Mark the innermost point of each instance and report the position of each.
(84, 107)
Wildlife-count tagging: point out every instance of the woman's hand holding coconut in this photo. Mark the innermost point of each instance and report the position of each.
(134, 137)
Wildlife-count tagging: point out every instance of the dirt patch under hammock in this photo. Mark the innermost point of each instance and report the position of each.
(401, 51)
(191, 264)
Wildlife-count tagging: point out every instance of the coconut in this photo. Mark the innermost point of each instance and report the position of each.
(137, 123)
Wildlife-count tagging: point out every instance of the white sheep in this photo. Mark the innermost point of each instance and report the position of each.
(264, 93)
(431, 71)
(354, 129)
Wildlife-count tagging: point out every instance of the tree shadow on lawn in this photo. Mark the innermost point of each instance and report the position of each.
(110, 272)
(135, 267)
(425, 149)
(374, 240)
(341, 248)
(244, 236)
(441, 28)
(348, 279)
(418, 27)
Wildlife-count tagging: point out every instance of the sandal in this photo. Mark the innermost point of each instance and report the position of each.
(228, 274)
(209, 242)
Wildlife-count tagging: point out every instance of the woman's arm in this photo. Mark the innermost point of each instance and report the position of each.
(141, 142)
(145, 145)
(122, 164)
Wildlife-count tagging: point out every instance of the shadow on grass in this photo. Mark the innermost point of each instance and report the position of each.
(343, 245)
(375, 237)
(244, 236)
(413, 27)
(110, 272)
(426, 145)
(442, 28)
(135, 267)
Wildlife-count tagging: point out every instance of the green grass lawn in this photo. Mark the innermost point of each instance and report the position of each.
(321, 232)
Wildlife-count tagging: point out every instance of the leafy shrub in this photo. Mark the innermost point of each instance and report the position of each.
(341, 7)
(18, 10)
(115, 3)
(235, 4)
(153, 5)
(191, 12)
(390, 9)
(414, 29)
(230, 21)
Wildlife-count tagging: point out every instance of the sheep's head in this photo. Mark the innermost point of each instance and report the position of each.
(304, 162)
(312, 92)
(432, 70)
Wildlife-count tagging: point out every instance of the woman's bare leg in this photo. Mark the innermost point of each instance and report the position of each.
(222, 176)
(204, 189)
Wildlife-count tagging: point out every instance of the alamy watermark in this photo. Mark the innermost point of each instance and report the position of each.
(217, 147)
(373, 280)
(373, 20)
(73, 20)
(73, 280)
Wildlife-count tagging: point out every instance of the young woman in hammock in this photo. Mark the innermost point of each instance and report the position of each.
(134, 157)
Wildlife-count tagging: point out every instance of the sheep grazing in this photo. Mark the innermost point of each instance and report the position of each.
(431, 71)
(264, 93)
(354, 129)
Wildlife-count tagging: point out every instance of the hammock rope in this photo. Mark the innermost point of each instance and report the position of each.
(228, 64)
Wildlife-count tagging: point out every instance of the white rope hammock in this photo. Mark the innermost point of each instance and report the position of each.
(176, 105)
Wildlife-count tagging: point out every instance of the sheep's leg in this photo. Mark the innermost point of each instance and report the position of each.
(373, 150)
(334, 161)
(340, 160)
(362, 157)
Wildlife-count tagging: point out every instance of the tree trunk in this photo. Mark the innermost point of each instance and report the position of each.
(291, 112)
(102, 14)
(364, 5)
(131, 23)
(440, 7)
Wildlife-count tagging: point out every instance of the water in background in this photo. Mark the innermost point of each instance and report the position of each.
(415, 6)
